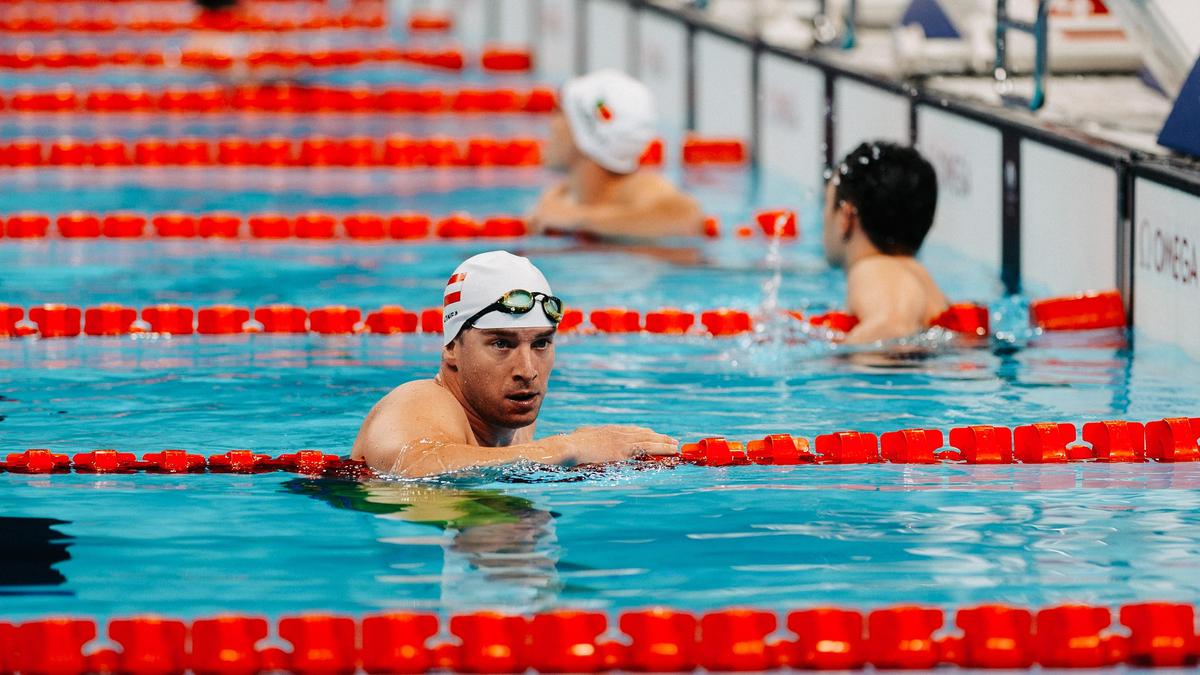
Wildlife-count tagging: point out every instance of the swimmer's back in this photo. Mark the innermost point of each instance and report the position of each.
(894, 290)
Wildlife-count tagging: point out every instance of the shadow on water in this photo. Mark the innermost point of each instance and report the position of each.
(29, 550)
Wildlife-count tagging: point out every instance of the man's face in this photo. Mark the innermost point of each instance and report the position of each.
(834, 228)
(560, 149)
(503, 373)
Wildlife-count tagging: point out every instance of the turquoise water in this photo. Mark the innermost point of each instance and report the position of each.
(530, 538)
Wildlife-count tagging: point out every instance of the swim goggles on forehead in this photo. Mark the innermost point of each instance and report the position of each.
(519, 301)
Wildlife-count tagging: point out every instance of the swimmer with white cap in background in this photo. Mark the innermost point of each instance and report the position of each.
(605, 122)
(499, 323)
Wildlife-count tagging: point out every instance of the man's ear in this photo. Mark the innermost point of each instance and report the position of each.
(847, 219)
(450, 354)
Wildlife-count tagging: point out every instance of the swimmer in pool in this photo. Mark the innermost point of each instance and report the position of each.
(499, 319)
(879, 205)
(605, 121)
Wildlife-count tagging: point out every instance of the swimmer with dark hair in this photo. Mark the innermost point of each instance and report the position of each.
(879, 205)
(604, 123)
(499, 322)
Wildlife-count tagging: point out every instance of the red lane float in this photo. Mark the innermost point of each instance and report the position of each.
(222, 320)
(669, 321)
(659, 640)
(1089, 311)
(26, 226)
(698, 150)
(780, 223)
(109, 319)
(10, 322)
(55, 321)
(391, 320)
(965, 318)
(335, 320)
(654, 154)
(616, 320)
(427, 21)
(506, 60)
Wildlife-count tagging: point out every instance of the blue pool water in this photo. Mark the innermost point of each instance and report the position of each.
(527, 538)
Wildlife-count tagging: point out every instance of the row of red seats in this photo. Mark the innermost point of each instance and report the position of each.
(1165, 440)
(312, 462)
(1159, 634)
(492, 59)
(309, 225)
(101, 24)
(280, 98)
(360, 151)
(61, 321)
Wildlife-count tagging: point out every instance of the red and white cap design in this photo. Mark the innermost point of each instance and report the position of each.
(480, 281)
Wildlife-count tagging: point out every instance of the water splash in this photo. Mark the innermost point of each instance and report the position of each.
(771, 321)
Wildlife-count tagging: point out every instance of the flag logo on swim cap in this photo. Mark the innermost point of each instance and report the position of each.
(454, 289)
(603, 111)
(482, 280)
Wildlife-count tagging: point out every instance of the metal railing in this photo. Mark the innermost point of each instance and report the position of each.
(1039, 29)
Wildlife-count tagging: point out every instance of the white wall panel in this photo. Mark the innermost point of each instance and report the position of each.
(1068, 222)
(1166, 281)
(470, 22)
(556, 40)
(662, 65)
(967, 158)
(724, 98)
(863, 112)
(516, 21)
(608, 38)
(791, 120)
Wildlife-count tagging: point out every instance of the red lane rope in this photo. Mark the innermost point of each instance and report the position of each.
(397, 151)
(64, 321)
(492, 59)
(311, 462)
(1150, 634)
(361, 226)
(279, 98)
(1168, 440)
(35, 23)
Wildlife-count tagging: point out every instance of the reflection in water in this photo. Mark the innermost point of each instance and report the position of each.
(29, 549)
(499, 552)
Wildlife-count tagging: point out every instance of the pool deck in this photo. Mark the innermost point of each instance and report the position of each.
(1119, 113)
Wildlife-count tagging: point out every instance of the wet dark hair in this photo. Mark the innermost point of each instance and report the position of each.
(894, 190)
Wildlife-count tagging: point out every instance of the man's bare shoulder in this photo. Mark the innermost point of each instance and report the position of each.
(650, 185)
(416, 397)
(417, 409)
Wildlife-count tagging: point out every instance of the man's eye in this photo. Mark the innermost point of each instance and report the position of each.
(501, 344)
(542, 344)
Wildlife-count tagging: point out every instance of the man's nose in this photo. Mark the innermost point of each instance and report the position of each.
(525, 364)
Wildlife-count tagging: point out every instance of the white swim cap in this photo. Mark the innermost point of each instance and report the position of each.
(480, 281)
(611, 116)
